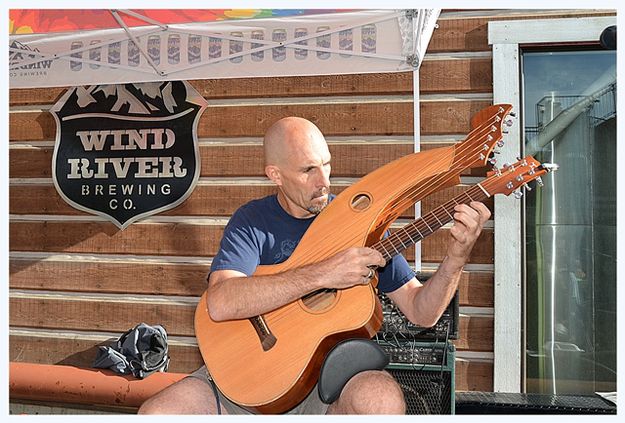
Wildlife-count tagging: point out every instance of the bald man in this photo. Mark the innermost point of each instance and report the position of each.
(267, 230)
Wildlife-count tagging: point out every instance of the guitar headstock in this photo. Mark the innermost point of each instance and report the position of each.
(510, 178)
(488, 127)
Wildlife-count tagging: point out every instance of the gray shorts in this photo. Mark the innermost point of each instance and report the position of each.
(312, 404)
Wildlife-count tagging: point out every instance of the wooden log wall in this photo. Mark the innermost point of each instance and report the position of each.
(76, 281)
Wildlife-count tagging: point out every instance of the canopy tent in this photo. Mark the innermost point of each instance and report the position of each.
(80, 47)
(50, 47)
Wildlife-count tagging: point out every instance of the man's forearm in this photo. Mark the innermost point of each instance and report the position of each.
(436, 294)
(244, 297)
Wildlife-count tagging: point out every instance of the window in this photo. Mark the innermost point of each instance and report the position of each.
(563, 235)
(569, 109)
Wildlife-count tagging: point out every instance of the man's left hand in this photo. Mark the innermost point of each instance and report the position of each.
(469, 220)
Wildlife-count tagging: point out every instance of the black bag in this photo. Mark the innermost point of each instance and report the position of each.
(140, 351)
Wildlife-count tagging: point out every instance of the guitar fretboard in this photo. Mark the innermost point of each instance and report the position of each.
(426, 225)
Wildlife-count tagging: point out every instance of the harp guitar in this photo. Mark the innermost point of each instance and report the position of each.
(269, 363)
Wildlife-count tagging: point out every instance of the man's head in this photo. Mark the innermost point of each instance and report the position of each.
(297, 160)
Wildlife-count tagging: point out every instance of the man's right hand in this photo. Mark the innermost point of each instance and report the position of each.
(354, 266)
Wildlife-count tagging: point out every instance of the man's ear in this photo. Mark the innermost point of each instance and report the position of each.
(273, 173)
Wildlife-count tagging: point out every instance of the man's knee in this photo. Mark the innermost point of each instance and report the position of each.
(188, 396)
(151, 406)
(372, 392)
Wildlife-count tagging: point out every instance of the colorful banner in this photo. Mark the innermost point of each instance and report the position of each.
(42, 21)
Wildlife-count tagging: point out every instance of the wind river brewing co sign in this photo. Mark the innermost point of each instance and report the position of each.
(127, 151)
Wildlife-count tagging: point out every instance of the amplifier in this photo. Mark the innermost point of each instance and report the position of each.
(396, 325)
(426, 373)
(415, 352)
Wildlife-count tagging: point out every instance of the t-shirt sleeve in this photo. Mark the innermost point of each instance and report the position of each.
(240, 247)
(395, 274)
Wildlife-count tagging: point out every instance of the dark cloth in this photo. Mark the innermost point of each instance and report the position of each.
(261, 232)
(140, 351)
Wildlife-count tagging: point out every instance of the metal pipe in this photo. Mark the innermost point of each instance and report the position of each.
(68, 384)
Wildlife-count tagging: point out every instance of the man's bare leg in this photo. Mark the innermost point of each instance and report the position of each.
(188, 396)
(370, 392)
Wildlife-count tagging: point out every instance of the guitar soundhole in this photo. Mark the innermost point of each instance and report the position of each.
(361, 202)
(319, 301)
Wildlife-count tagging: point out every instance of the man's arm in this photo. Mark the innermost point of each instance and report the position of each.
(424, 304)
(233, 295)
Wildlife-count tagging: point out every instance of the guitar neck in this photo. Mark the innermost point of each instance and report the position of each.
(426, 225)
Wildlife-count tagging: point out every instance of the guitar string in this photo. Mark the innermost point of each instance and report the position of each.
(414, 193)
(406, 201)
(479, 133)
(474, 193)
(477, 192)
(403, 234)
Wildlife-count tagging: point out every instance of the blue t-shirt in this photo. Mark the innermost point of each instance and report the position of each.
(261, 232)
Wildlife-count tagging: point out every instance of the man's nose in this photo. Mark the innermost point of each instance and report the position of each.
(324, 176)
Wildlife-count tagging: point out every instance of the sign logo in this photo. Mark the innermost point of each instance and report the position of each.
(127, 151)
(19, 53)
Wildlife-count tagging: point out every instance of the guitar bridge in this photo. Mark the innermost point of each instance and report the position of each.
(267, 339)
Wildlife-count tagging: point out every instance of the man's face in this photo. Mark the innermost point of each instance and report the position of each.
(305, 177)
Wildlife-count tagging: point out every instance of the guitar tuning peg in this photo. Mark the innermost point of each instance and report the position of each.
(504, 130)
(549, 167)
(492, 161)
(527, 187)
(508, 122)
(500, 143)
(518, 194)
(540, 182)
(512, 114)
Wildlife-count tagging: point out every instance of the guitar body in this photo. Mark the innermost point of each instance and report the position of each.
(271, 363)
(276, 380)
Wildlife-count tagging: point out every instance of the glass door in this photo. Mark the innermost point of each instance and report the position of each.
(569, 102)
